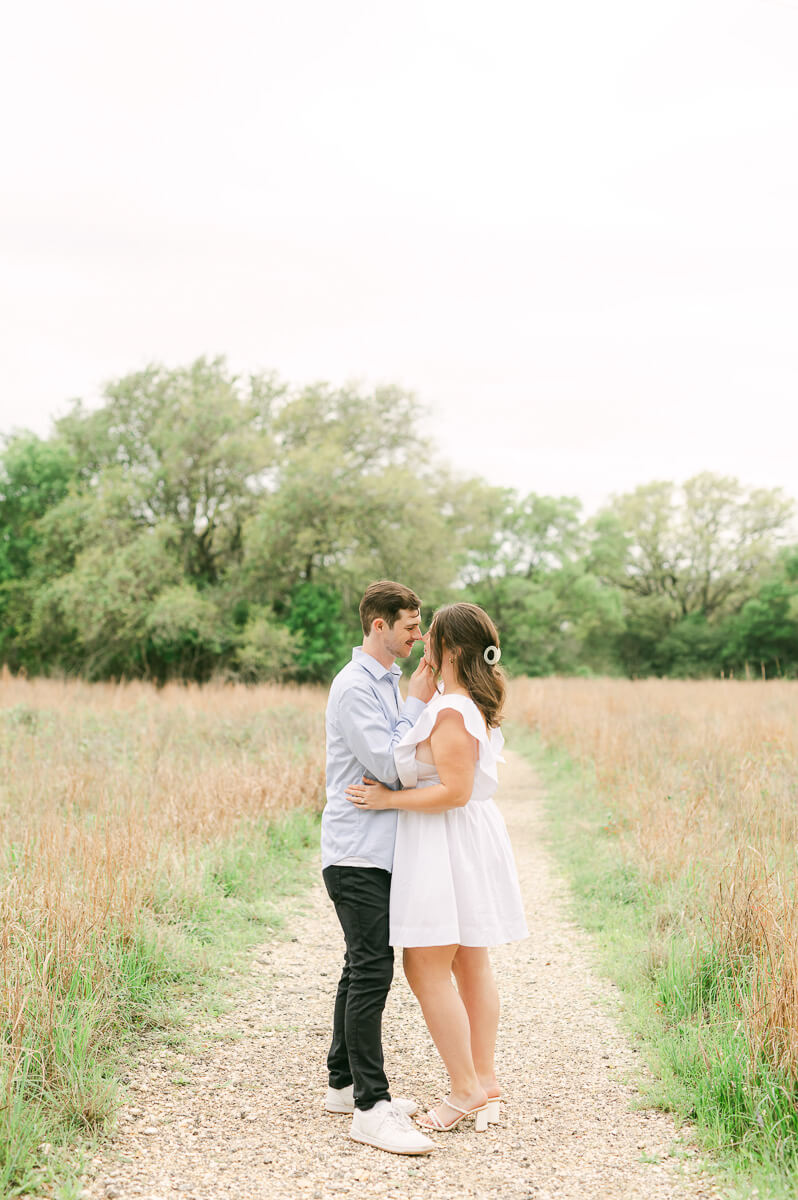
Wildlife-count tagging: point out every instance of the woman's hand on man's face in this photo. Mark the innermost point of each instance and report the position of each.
(422, 681)
(369, 794)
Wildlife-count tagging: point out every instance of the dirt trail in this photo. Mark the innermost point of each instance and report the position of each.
(243, 1117)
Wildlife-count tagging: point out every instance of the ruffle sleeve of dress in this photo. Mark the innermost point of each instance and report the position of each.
(490, 742)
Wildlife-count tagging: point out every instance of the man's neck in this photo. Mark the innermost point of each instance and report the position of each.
(379, 653)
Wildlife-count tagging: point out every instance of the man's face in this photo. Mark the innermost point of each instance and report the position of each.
(400, 638)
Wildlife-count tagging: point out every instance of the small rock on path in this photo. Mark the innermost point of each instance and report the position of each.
(240, 1113)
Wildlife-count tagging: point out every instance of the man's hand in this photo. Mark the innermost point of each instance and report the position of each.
(422, 682)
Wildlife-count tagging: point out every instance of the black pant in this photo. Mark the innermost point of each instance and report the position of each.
(361, 897)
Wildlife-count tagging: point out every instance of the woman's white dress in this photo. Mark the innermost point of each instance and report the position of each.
(454, 877)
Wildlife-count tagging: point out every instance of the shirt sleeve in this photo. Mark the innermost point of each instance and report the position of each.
(362, 723)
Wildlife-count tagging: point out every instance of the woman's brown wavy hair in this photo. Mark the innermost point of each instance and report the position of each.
(466, 631)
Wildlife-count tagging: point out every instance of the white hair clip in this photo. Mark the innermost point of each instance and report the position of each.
(491, 654)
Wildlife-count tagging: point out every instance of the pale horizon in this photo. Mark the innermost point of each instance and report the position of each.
(570, 232)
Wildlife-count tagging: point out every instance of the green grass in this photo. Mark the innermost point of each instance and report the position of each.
(59, 1102)
(683, 996)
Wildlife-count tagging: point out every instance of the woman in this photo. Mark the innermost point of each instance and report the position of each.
(454, 889)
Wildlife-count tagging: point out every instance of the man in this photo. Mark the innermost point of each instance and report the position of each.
(365, 720)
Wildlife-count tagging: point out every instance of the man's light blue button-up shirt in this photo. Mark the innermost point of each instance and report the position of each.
(365, 719)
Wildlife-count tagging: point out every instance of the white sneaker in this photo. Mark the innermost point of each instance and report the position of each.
(342, 1100)
(388, 1128)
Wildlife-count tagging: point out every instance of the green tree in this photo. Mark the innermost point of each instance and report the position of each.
(34, 476)
(94, 619)
(200, 522)
(704, 551)
(266, 648)
(190, 446)
(320, 629)
(684, 562)
(764, 634)
(532, 576)
(353, 497)
(213, 523)
(185, 633)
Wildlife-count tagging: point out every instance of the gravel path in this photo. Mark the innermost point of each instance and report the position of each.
(240, 1113)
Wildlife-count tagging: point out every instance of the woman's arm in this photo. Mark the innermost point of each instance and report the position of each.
(364, 729)
(453, 750)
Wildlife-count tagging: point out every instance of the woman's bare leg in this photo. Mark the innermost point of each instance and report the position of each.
(477, 988)
(429, 972)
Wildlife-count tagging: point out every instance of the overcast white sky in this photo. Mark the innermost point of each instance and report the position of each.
(570, 227)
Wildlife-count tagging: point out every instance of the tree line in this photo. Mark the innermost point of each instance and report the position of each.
(199, 524)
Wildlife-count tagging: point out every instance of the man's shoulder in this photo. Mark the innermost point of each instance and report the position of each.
(352, 677)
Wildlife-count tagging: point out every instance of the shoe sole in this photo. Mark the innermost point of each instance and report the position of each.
(347, 1112)
(367, 1141)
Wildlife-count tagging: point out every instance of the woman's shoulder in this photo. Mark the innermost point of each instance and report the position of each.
(468, 710)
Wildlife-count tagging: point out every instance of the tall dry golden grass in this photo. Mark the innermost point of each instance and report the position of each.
(110, 796)
(701, 782)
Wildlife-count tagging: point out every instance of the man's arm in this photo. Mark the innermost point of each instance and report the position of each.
(453, 749)
(366, 731)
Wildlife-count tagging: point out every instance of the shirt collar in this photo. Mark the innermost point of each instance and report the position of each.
(364, 659)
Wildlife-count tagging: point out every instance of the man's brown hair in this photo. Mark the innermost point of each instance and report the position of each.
(385, 599)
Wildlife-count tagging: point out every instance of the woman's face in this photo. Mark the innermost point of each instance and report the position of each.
(429, 648)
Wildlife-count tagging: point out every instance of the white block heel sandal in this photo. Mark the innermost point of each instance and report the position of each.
(431, 1120)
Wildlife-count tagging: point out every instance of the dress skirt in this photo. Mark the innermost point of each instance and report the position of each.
(454, 879)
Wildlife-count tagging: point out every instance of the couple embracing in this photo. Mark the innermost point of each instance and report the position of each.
(415, 854)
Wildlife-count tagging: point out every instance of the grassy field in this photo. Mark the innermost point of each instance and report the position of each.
(148, 834)
(674, 810)
(145, 835)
